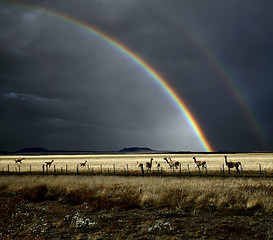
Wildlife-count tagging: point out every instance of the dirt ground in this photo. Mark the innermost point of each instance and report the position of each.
(54, 219)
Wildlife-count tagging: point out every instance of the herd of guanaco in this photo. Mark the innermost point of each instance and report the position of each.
(198, 164)
(170, 162)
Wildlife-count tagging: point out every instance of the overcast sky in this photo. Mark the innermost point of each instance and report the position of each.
(62, 87)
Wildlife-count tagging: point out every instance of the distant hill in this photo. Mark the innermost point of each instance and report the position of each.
(33, 150)
(41, 150)
(135, 150)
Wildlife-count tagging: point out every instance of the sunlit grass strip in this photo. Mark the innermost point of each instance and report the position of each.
(208, 194)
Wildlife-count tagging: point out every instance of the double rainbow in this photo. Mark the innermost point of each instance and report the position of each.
(184, 110)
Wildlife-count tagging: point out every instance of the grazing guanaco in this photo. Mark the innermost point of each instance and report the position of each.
(139, 164)
(199, 164)
(83, 164)
(149, 165)
(171, 163)
(157, 164)
(19, 160)
(232, 165)
(48, 164)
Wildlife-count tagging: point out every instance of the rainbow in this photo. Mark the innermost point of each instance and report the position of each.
(219, 67)
(184, 110)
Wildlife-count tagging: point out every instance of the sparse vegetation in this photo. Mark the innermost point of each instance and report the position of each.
(82, 206)
(75, 206)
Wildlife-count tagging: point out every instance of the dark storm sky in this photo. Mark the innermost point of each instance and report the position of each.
(61, 87)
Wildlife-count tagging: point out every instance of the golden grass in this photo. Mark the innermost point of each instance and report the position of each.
(107, 192)
(250, 162)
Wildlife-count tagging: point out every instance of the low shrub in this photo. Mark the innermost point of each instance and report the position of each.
(33, 194)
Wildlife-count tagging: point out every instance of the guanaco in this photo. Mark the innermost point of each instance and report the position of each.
(199, 164)
(149, 165)
(83, 164)
(19, 160)
(48, 164)
(232, 165)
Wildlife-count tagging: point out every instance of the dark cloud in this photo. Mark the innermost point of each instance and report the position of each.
(61, 87)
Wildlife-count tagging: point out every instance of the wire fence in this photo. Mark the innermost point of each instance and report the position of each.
(117, 170)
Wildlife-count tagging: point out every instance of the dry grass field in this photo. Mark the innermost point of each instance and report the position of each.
(133, 207)
(252, 162)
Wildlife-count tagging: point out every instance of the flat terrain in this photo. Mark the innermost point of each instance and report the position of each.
(255, 164)
(98, 204)
(102, 207)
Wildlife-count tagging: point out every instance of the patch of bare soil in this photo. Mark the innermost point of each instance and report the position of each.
(56, 219)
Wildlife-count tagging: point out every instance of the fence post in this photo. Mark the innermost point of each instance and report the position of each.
(223, 170)
(199, 172)
(161, 171)
(142, 170)
(189, 170)
(220, 171)
(88, 170)
(101, 169)
(61, 170)
(114, 169)
(260, 168)
(242, 174)
(206, 171)
(54, 170)
(66, 169)
(43, 169)
(264, 174)
(180, 168)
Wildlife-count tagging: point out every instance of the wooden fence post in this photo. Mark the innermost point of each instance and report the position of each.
(242, 174)
(114, 169)
(161, 171)
(88, 170)
(206, 171)
(260, 168)
(43, 169)
(264, 174)
(66, 169)
(101, 169)
(223, 170)
(142, 170)
(180, 168)
(54, 170)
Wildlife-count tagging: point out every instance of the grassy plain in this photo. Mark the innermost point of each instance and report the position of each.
(215, 162)
(116, 207)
